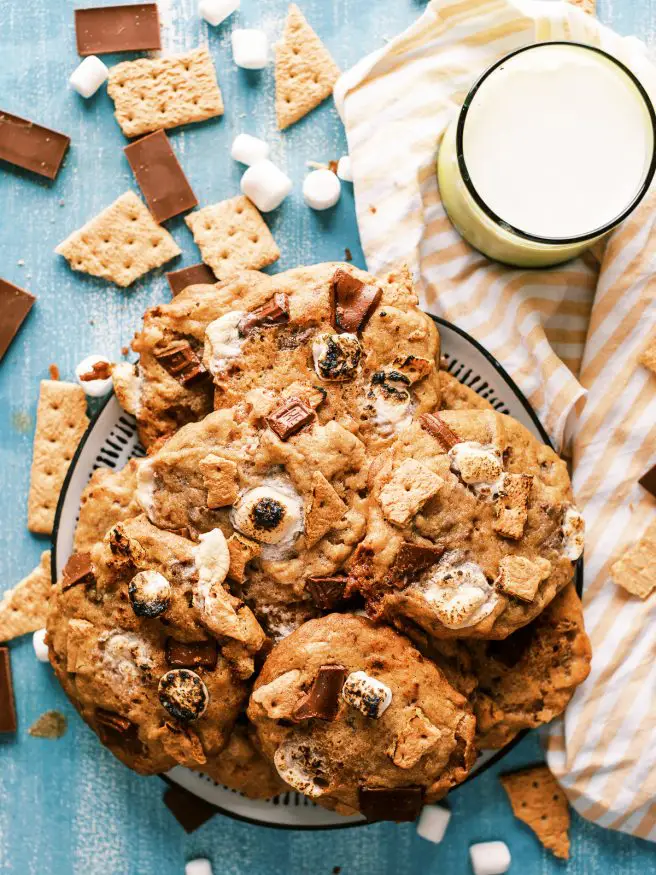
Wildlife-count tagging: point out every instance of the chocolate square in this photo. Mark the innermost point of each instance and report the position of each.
(77, 570)
(123, 28)
(189, 810)
(322, 700)
(435, 425)
(8, 721)
(193, 275)
(15, 304)
(31, 146)
(412, 559)
(400, 804)
(648, 481)
(290, 417)
(181, 362)
(160, 177)
(274, 312)
(352, 302)
(327, 592)
(191, 654)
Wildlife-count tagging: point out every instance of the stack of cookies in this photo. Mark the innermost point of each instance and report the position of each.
(337, 570)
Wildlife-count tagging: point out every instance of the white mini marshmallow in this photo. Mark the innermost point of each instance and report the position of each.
(433, 822)
(216, 11)
(344, 168)
(248, 149)
(93, 388)
(321, 189)
(40, 646)
(88, 76)
(202, 866)
(489, 858)
(266, 185)
(250, 48)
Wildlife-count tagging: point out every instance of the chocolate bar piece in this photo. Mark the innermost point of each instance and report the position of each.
(192, 654)
(8, 722)
(78, 569)
(322, 701)
(399, 804)
(179, 359)
(274, 312)
(326, 592)
(125, 28)
(160, 177)
(31, 146)
(413, 559)
(290, 417)
(181, 279)
(647, 481)
(189, 810)
(15, 304)
(352, 302)
(435, 425)
(118, 731)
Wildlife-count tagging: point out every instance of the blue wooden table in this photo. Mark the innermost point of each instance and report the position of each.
(67, 806)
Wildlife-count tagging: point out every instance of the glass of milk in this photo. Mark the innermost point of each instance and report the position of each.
(553, 148)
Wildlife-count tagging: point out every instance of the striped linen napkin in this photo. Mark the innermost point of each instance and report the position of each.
(570, 336)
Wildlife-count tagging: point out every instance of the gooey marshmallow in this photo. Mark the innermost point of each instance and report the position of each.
(40, 646)
(301, 767)
(88, 76)
(321, 189)
(211, 558)
(458, 592)
(248, 149)
(266, 185)
(223, 341)
(479, 466)
(250, 48)
(336, 356)
(433, 822)
(344, 168)
(216, 11)
(271, 514)
(490, 858)
(573, 526)
(369, 695)
(93, 388)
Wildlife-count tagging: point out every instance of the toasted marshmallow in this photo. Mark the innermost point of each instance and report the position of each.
(367, 694)
(266, 185)
(477, 465)
(271, 514)
(393, 403)
(321, 189)
(98, 387)
(248, 149)
(88, 76)
(573, 533)
(184, 694)
(336, 356)
(125, 655)
(211, 558)
(250, 48)
(458, 592)
(301, 767)
(216, 11)
(127, 385)
(150, 593)
(490, 858)
(40, 646)
(344, 168)
(222, 341)
(433, 822)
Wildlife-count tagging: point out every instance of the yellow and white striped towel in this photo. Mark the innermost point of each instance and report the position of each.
(570, 337)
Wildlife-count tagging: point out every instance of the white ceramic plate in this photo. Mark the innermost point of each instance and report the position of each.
(112, 439)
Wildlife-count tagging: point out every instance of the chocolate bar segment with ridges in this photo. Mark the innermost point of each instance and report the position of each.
(123, 28)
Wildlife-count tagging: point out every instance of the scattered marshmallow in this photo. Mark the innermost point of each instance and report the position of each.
(433, 822)
(489, 858)
(344, 168)
(40, 646)
(248, 149)
(266, 185)
(250, 48)
(88, 76)
(321, 189)
(93, 388)
(216, 11)
(201, 866)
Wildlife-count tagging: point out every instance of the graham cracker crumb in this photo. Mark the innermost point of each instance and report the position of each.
(52, 724)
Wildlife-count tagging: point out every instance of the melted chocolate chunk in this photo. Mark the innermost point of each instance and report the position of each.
(648, 481)
(181, 362)
(413, 559)
(290, 417)
(191, 654)
(78, 569)
(435, 425)
(117, 731)
(511, 650)
(189, 810)
(274, 312)
(351, 302)
(399, 804)
(327, 592)
(8, 722)
(322, 700)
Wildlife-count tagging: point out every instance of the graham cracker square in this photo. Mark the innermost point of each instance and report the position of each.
(121, 244)
(324, 510)
(635, 570)
(221, 479)
(232, 236)
(24, 608)
(520, 577)
(538, 801)
(410, 486)
(512, 506)
(155, 93)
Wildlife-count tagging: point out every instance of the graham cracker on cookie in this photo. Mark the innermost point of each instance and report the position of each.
(232, 236)
(538, 801)
(24, 608)
(589, 6)
(61, 420)
(634, 570)
(324, 510)
(410, 486)
(155, 93)
(648, 355)
(305, 71)
(121, 244)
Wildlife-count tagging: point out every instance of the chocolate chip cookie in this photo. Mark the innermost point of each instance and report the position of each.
(241, 767)
(150, 647)
(355, 718)
(471, 529)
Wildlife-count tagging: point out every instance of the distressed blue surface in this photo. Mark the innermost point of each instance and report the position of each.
(68, 806)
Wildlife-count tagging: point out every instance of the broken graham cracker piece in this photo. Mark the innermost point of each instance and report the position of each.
(241, 550)
(648, 355)
(221, 480)
(538, 801)
(52, 724)
(232, 236)
(324, 510)
(634, 570)
(589, 6)
(154, 93)
(512, 506)
(121, 244)
(61, 420)
(305, 73)
(521, 577)
(24, 608)
(410, 486)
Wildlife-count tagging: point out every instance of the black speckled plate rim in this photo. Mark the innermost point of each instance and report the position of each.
(500, 754)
